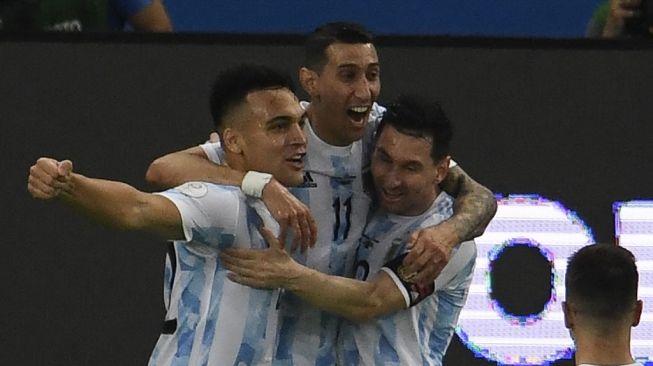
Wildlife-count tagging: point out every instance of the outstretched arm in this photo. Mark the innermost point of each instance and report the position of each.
(349, 298)
(431, 247)
(193, 165)
(112, 203)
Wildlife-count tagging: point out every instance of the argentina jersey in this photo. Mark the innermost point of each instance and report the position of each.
(333, 191)
(418, 335)
(209, 319)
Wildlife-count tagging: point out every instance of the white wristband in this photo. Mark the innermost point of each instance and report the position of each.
(254, 182)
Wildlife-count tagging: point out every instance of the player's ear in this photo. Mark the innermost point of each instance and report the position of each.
(308, 79)
(441, 169)
(232, 140)
(568, 315)
(638, 312)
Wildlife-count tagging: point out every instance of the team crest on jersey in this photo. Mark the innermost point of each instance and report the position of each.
(194, 189)
(308, 181)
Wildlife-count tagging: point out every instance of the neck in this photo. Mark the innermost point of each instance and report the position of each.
(235, 162)
(601, 349)
(318, 120)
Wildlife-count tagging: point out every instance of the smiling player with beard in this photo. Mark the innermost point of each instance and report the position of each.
(341, 73)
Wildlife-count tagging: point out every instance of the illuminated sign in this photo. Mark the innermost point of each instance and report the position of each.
(492, 331)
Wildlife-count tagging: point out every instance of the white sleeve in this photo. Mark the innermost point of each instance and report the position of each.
(209, 212)
(214, 152)
(460, 257)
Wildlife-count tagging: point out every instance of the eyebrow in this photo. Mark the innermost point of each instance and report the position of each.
(285, 118)
(383, 151)
(354, 65)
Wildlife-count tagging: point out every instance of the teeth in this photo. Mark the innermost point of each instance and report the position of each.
(359, 109)
(297, 157)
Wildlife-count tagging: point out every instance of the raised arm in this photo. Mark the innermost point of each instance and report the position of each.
(112, 203)
(193, 164)
(431, 247)
(352, 299)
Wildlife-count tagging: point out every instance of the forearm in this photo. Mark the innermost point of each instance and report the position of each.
(355, 300)
(111, 203)
(474, 206)
(180, 167)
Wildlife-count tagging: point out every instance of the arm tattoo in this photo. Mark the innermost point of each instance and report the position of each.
(474, 205)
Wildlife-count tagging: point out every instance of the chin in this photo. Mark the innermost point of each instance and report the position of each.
(293, 180)
(392, 207)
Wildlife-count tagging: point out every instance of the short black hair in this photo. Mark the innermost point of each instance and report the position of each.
(327, 34)
(601, 281)
(415, 116)
(233, 84)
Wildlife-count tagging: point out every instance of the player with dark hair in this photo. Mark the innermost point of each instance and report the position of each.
(398, 320)
(209, 320)
(341, 73)
(601, 305)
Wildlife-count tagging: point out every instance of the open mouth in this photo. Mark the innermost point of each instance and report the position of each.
(358, 114)
(297, 160)
(391, 196)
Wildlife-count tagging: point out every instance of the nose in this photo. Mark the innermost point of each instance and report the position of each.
(296, 135)
(363, 89)
(392, 178)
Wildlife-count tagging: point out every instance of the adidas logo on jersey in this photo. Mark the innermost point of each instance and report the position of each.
(308, 181)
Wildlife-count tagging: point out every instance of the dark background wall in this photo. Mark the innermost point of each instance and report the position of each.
(570, 121)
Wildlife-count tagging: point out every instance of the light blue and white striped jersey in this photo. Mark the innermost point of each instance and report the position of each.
(420, 334)
(209, 319)
(333, 191)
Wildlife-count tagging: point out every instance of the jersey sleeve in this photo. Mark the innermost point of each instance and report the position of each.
(214, 152)
(413, 292)
(209, 212)
(369, 138)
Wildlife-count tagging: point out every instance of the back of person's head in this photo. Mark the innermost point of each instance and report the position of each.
(315, 56)
(601, 284)
(418, 117)
(232, 86)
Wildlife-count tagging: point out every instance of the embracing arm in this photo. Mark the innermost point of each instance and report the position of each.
(431, 247)
(355, 300)
(188, 165)
(193, 164)
(112, 203)
(474, 204)
(273, 268)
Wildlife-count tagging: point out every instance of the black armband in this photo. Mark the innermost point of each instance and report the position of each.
(415, 292)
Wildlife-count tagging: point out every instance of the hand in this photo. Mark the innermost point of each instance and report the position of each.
(620, 11)
(214, 137)
(48, 178)
(290, 213)
(430, 250)
(260, 268)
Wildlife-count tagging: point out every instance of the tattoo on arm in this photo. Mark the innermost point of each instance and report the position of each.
(474, 205)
